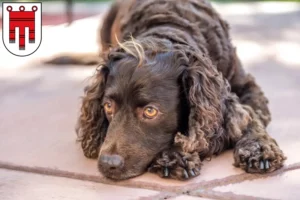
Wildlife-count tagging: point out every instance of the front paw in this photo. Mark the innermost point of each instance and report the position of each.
(172, 164)
(258, 156)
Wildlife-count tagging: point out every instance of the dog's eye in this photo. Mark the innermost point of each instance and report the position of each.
(150, 112)
(108, 108)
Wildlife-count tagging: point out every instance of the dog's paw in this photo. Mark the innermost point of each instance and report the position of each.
(258, 156)
(172, 164)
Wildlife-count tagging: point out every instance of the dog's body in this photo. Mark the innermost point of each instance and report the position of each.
(173, 96)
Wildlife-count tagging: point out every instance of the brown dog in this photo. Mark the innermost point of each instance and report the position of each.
(173, 95)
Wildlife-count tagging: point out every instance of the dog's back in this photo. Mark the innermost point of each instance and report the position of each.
(191, 22)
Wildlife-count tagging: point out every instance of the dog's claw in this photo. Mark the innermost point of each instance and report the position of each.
(261, 165)
(197, 170)
(192, 172)
(185, 174)
(250, 164)
(267, 164)
(166, 172)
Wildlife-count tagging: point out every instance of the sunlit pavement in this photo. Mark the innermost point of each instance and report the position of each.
(39, 105)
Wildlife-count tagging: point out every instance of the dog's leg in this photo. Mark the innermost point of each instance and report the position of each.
(249, 92)
(255, 150)
(176, 164)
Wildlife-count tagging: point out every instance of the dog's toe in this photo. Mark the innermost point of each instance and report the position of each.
(176, 165)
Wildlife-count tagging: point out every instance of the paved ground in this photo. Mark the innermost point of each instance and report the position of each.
(39, 158)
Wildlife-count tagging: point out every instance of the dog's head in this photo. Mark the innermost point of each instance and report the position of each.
(143, 94)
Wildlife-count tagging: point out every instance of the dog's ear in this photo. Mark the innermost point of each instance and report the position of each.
(203, 87)
(92, 123)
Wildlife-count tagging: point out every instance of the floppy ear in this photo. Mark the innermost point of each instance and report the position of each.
(92, 123)
(203, 86)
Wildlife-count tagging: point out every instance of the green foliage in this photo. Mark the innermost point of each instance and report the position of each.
(232, 1)
(220, 1)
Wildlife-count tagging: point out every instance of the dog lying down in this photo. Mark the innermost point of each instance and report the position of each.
(170, 91)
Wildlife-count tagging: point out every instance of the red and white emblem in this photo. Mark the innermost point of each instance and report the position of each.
(22, 27)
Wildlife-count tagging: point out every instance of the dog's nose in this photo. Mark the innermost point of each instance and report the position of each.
(111, 161)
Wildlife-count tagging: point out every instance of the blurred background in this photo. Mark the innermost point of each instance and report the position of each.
(266, 34)
(253, 21)
(39, 103)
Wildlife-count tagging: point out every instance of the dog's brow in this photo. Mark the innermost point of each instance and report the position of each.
(146, 98)
(112, 94)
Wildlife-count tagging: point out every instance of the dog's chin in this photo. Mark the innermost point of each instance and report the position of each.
(118, 176)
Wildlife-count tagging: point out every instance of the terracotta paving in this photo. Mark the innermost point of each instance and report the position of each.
(281, 185)
(39, 156)
(20, 186)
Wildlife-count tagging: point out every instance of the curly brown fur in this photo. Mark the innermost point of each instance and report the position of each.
(92, 124)
(181, 62)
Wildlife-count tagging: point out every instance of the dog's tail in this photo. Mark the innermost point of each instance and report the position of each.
(74, 59)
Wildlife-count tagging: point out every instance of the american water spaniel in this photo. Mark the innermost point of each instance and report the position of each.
(169, 92)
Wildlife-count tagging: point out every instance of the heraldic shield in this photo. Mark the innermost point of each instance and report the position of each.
(22, 27)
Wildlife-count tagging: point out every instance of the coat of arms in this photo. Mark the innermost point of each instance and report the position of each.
(22, 27)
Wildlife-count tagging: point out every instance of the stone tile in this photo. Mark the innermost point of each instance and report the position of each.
(284, 186)
(26, 186)
(287, 136)
(39, 107)
(38, 117)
